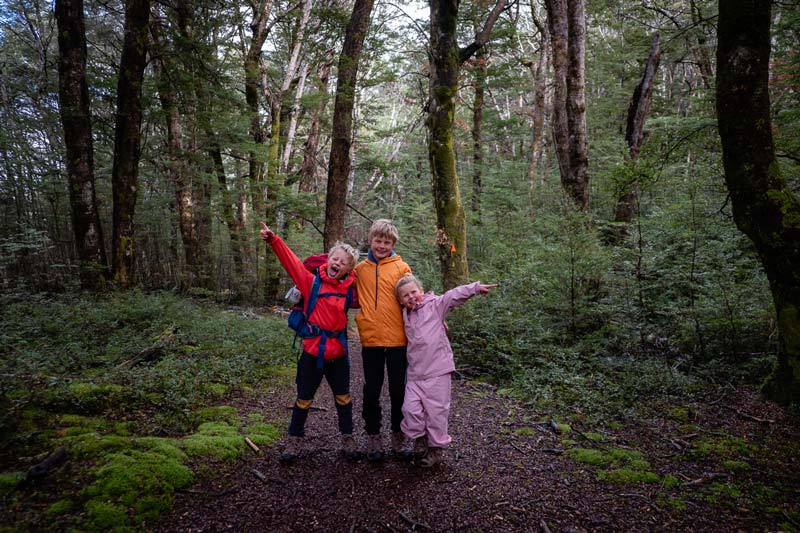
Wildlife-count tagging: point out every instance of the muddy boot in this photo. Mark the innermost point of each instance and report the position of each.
(349, 448)
(400, 446)
(433, 457)
(420, 447)
(375, 448)
(292, 450)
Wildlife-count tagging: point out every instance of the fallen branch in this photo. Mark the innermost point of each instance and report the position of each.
(411, 522)
(754, 418)
(520, 450)
(554, 451)
(543, 526)
(154, 352)
(252, 445)
(44, 468)
(259, 475)
(207, 492)
(705, 479)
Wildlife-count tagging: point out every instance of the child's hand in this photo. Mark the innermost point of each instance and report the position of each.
(266, 233)
(484, 289)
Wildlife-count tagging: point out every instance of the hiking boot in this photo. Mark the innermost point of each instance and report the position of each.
(349, 448)
(420, 447)
(375, 448)
(292, 450)
(433, 457)
(400, 446)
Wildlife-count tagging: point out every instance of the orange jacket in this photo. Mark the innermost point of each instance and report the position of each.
(379, 320)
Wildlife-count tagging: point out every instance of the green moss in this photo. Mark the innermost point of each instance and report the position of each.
(725, 447)
(93, 397)
(596, 437)
(214, 439)
(627, 476)
(10, 480)
(60, 507)
(680, 414)
(142, 480)
(669, 481)
(621, 454)
(91, 444)
(255, 417)
(262, 434)
(527, 432)
(217, 390)
(675, 504)
(106, 516)
(736, 466)
(589, 456)
(218, 413)
(564, 428)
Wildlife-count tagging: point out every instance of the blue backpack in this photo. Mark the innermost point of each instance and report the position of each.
(298, 319)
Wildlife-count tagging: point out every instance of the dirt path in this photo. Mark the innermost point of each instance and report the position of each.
(494, 479)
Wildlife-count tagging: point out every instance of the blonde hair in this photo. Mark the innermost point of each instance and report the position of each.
(346, 248)
(405, 280)
(383, 227)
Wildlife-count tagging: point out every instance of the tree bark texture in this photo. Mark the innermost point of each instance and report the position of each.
(252, 93)
(339, 164)
(477, 133)
(446, 61)
(567, 27)
(76, 119)
(127, 137)
(638, 110)
(764, 206)
(538, 72)
(310, 168)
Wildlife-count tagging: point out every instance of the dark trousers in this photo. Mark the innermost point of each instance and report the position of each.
(337, 373)
(395, 362)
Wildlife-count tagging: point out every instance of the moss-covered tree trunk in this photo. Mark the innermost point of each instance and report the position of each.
(73, 98)
(341, 139)
(127, 138)
(446, 61)
(764, 207)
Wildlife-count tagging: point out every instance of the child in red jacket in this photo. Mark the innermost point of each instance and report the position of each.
(330, 317)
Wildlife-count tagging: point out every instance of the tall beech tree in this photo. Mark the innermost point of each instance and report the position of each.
(127, 137)
(539, 75)
(446, 61)
(764, 206)
(73, 96)
(567, 26)
(339, 165)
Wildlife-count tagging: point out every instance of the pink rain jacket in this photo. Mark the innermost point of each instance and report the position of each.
(429, 351)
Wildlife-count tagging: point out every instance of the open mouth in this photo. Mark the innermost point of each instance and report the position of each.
(334, 270)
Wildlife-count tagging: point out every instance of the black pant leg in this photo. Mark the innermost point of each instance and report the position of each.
(373, 363)
(307, 380)
(337, 373)
(396, 365)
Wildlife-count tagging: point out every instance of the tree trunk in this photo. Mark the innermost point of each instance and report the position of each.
(76, 118)
(252, 94)
(568, 34)
(638, 110)
(127, 137)
(341, 139)
(477, 133)
(309, 170)
(227, 214)
(446, 61)
(764, 206)
(540, 84)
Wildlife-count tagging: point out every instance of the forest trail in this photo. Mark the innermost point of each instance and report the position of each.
(493, 479)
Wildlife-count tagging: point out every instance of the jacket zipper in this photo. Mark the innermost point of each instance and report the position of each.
(376, 286)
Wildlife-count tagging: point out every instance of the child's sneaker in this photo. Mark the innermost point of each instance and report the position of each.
(400, 446)
(375, 448)
(433, 457)
(350, 449)
(420, 447)
(292, 450)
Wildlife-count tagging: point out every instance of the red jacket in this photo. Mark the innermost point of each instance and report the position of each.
(328, 312)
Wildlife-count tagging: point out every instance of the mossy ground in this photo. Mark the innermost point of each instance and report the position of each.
(70, 392)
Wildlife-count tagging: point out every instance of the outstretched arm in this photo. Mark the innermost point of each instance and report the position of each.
(290, 262)
(459, 295)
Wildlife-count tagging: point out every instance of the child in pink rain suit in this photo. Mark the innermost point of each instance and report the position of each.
(430, 362)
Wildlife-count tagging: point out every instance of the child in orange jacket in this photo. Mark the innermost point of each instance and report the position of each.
(380, 327)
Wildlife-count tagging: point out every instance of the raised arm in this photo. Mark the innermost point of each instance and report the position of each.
(459, 295)
(290, 262)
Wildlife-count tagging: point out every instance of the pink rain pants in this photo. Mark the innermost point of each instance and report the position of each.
(426, 408)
